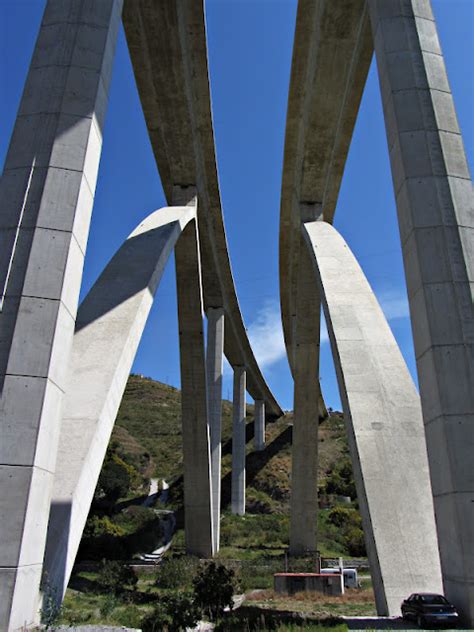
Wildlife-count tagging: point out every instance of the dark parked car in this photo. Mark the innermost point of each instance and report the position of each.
(429, 609)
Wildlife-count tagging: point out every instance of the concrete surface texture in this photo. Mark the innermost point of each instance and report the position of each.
(198, 516)
(435, 205)
(46, 193)
(214, 360)
(259, 425)
(305, 362)
(238, 442)
(109, 326)
(384, 424)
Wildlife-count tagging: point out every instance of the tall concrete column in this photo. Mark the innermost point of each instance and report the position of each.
(259, 425)
(46, 194)
(215, 355)
(238, 442)
(304, 467)
(198, 519)
(434, 197)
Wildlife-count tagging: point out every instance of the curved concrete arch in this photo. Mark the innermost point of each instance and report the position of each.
(384, 424)
(109, 326)
(168, 49)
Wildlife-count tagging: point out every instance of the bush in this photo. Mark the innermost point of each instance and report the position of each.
(214, 588)
(349, 523)
(340, 480)
(114, 479)
(97, 526)
(177, 572)
(116, 577)
(173, 613)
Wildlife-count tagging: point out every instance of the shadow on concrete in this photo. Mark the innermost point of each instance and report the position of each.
(53, 582)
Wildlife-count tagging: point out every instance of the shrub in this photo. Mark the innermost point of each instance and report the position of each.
(97, 526)
(177, 572)
(174, 612)
(116, 577)
(214, 588)
(341, 480)
(349, 523)
(114, 479)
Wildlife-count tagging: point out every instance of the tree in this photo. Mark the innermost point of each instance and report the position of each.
(214, 588)
(116, 577)
(174, 613)
(114, 480)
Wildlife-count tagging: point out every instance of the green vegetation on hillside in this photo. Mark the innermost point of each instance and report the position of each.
(146, 443)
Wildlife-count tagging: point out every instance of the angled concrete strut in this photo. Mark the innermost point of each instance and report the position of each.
(384, 424)
(109, 326)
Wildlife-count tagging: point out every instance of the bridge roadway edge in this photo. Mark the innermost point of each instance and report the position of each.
(167, 44)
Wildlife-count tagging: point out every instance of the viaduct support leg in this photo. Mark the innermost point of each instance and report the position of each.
(238, 442)
(215, 350)
(304, 469)
(196, 441)
(46, 194)
(434, 198)
(259, 437)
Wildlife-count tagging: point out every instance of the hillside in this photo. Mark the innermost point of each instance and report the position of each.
(147, 435)
(146, 443)
(149, 423)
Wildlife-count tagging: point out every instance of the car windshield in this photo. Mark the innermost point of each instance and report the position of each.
(433, 599)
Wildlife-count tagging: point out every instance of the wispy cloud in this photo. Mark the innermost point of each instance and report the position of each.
(266, 335)
(394, 304)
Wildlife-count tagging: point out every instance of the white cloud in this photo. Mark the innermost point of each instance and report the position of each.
(394, 304)
(266, 335)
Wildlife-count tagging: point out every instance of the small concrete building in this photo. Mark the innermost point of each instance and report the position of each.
(329, 584)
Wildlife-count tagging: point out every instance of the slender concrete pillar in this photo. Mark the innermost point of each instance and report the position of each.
(434, 197)
(46, 194)
(259, 425)
(304, 468)
(198, 519)
(215, 354)
(238, 442)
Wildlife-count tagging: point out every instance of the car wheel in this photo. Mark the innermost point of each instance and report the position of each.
(420, 622)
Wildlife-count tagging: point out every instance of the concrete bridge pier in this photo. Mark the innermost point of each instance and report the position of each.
(259, 425)
(215, 351)
(238, 442)
(198, 517)
(46, 197)
(435, 202)
(304, 469)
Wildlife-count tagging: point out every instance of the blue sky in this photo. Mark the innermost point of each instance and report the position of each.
(250, 47)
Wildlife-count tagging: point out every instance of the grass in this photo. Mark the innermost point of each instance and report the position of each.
(352, 603)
